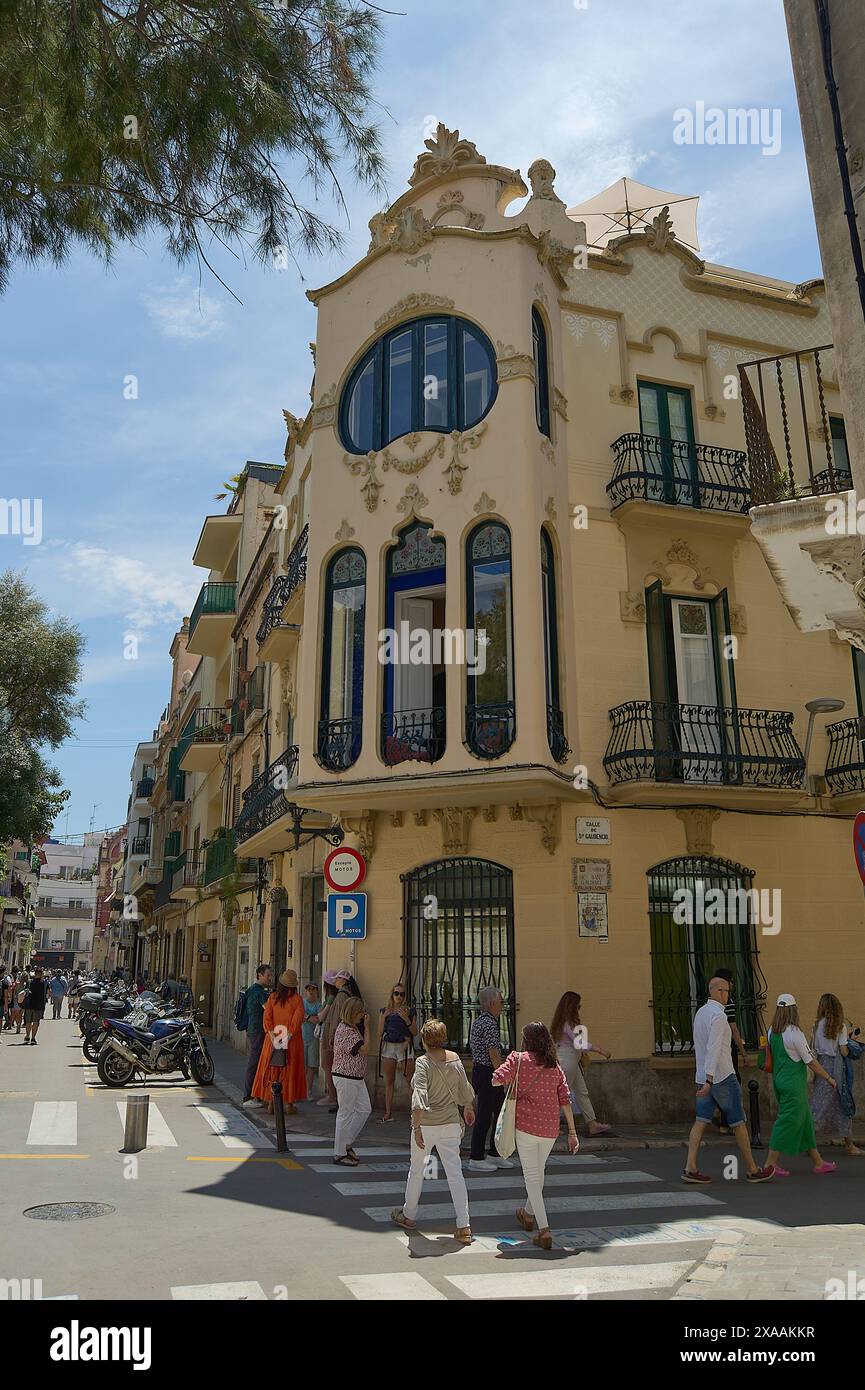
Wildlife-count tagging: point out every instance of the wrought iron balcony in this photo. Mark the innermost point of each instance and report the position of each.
(845, 764)
(284, 587)
(783, 431)
(144, 788)
(491, 728)
(250, 699)
(265, 800)
(206, 725)
(413, 735)
(679, 473)
(654, 741)
(186, 874)
(338, 743)
(219, 859)
(140, 846)
(214, 600)
(559, 746)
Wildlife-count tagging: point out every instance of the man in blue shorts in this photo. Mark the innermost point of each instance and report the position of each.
(717, 1085)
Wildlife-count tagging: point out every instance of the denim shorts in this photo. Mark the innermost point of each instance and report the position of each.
(727, 1095)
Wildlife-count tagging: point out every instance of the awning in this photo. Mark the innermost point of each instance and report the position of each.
(628, 206)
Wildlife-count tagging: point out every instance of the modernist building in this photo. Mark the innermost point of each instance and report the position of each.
(516, 435)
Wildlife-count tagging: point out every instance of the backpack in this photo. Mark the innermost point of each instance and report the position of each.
(241, 1012)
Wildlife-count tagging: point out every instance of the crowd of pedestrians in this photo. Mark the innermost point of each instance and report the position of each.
(24, 995)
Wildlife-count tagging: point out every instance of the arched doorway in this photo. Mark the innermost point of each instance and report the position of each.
(459, 937)
(686, 953)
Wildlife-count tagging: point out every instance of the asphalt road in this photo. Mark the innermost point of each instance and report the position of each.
(211, 1211)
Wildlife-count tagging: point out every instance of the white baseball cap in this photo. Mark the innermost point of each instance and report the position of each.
(785, 999)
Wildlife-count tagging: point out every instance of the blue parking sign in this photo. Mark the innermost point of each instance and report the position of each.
(346, 917)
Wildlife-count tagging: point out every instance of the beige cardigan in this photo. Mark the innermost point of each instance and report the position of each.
(438, 1090)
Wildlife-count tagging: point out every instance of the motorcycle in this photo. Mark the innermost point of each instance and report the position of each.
(141, 1016)
(169, 1044)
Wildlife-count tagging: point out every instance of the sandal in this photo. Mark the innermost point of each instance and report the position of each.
(463, 1234)
(544, 1239)
(527, 1222)
(399, 1216)
(351, 1153)
(346, 1161)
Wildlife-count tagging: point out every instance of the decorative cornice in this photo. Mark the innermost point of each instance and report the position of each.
(444, 151)
(363, 827)
(412, 304)
(455, 822)
(698, 822)
(512, 363)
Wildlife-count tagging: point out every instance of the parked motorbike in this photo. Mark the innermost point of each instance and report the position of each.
(142, 1015)
(169, 1044)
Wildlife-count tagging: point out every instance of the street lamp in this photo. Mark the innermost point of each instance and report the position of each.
(825, 704)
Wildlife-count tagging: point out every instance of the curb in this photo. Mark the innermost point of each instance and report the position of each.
(700, 1283)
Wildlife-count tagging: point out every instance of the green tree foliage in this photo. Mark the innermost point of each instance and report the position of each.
(40, 661)
(120, 117)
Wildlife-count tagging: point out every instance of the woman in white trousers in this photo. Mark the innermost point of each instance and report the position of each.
(542, 1093)
(350, 1048)
(439, 1088)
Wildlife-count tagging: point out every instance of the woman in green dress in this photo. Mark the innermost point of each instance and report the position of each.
(793, 1131)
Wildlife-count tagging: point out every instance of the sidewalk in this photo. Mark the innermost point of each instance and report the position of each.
(316, 1120)
(799, 1262)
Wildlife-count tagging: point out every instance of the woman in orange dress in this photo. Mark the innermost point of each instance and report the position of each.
(283, 1020)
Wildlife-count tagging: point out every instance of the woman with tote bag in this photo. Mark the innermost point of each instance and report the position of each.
(539, 1092)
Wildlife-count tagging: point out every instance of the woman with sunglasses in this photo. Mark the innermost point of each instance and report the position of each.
(397, 1026)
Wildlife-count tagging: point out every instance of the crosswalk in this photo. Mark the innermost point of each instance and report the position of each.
(578, 1187)
(69, 1126)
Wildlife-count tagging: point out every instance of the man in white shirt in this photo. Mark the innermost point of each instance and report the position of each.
(717, 1085)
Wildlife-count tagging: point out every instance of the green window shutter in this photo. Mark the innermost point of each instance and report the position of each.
(724, 646)
(659, 682)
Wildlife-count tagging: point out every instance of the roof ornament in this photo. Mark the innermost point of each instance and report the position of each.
(659, 232)
(541, 177)
(445, 151)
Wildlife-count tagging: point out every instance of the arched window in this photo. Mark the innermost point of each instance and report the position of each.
(339, 728)
(491, 711)
(701, 919)
(430, 374)
(555, 720)
(542, 373)
(467, 945)
(414, 719)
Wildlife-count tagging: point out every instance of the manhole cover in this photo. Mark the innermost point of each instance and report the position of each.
(69, 1211)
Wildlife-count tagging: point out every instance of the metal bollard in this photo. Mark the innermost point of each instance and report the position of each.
(279, 1116)
(754, 1107)
(135, 1133)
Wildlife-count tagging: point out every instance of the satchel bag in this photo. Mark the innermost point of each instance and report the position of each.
(506, 1124)
(278, 1057)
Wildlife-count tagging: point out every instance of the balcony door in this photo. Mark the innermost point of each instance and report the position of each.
(669, 456)
(413, 723)
(694, 715)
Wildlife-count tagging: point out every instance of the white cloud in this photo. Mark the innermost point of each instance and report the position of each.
(88, 582)
(185, 311)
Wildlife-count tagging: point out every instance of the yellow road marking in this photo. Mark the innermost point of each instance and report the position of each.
(44, 1155)
(287, 1163)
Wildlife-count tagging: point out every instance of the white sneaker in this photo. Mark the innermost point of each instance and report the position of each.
(253, 1104)
(482, 1165)
(325, 1100)
(501, 1162)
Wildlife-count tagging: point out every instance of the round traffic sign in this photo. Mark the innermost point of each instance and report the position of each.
(344, 869)
(859, 843)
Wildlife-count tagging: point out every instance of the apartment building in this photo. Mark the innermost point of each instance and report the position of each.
(526, 450)
(66, 904)
(18, 894)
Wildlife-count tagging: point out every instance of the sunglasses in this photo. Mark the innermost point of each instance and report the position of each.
(399, 994)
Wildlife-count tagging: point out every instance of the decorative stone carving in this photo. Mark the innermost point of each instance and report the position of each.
(396, 819)
(547, 450)
(410, 465)
(511, 363)
(680, 553)
(363, 826)
(455, 822)
(412, 501)
(550, 508)
(515, 811)
(554, 256)
(578, 325)
(560, 403)
(835, 561)
(738, 619)
(420, 817)
(413, 304)
(411, 231)
(381, 230)
(632, 607)
(365, 467)
(344, 533)
(325, 412)
(624, 395)
(659, 233)
(445, 151)
(454, 470)
(277, 895)
(541, 293)
(293, 428)
(541, 177)
(484, 504)
(490, 813)
(549, 818)
(698, 822)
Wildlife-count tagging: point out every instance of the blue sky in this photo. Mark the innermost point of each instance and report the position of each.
(125, 483)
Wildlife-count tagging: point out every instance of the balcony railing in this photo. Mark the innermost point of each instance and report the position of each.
(144, 788)
(338, 743)
(413, 735)
(187, 871)
(783, 431)
(250, 698)
(265, 800)
(491, 728)
(284, 586)
(680, 473)
(655, 741)
(214, 599)
(207, 725)
(140, 846)
(845, 764)
(559, 746)
(218, 859)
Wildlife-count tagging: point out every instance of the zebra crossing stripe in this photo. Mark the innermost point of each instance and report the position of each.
(578, 1282)
(409, 1288)
(234, 1129)
(54, 1122)
(361, 1152)
(585, 1237)
(249, 1291)
(495, 1182)
(159, 1136)
(440, 1211)
(402, 1167)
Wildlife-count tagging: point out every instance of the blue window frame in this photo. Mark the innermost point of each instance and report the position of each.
(340, 724)
(414, 717)
(542, 374)
(430, 374)
(490, 710)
